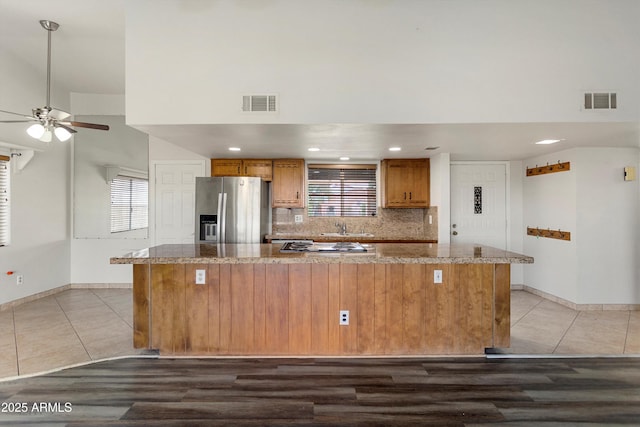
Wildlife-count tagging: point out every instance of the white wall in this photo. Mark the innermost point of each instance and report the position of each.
(90, 256)
(514, 219)
(440, 167)
(607, 222)
(599, 264)
(121, 146)
(39, 248)
(354, 61)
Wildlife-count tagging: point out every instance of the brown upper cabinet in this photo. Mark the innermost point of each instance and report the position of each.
(405, 183)
(287, 188)
(262, 168)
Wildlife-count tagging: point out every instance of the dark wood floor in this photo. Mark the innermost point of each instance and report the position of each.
(362, 392)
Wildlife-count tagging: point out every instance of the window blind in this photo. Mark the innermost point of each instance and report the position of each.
(342, 190)
(4, 200)
(129, 203)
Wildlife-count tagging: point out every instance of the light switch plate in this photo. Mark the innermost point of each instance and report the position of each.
(437, 276)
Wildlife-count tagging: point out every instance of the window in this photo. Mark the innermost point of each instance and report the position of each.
(4, 200)
(342, 190)
(129, 203)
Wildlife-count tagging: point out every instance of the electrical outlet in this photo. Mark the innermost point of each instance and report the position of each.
(298, 219)
(19, 279)
(437, 276)
(201, 277)
(344, 317)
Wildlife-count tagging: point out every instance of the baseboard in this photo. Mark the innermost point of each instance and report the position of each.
(101, 285)
(11, 304)
(578, 307)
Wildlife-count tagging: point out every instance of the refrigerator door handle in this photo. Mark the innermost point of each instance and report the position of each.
(218, 240)
(224, 218)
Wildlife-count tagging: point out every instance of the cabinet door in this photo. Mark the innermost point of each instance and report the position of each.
(419, 188)
(397, 176)
(257, 167)
(288, 184)
(405, 183)
(226, 167)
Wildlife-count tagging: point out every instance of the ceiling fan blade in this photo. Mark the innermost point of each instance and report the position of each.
(65, 127)
(58, 114)
(17, 114)
(89, 125)
(15, 121)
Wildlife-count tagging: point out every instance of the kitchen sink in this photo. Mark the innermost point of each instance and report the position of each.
(347, 234)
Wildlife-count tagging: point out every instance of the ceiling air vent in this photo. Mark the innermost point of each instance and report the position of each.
(600, 101)
(259, 103)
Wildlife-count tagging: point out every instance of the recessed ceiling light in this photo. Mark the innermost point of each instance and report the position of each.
(314, 149)
(344, 158)
(234, 148)
(548, 141)
(395, 148)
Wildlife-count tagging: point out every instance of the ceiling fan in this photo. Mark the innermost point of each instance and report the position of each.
(49, 120)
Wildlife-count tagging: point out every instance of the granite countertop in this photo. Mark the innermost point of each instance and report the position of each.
(381, 253)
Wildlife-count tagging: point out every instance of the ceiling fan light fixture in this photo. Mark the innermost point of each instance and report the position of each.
(36, 131)
(62, 134)
(50, 120)
(46, 136)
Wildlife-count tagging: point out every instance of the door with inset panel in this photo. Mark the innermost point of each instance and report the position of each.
(478, 204)
(175, 202)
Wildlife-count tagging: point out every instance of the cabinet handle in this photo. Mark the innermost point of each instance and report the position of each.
(409, 195)
(297, 195)
(405, 195)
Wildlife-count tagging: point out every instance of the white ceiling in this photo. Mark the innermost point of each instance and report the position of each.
(87, 49)
(487, 141)
(88, 57)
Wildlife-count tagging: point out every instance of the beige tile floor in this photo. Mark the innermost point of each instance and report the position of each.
(539, 326)
(67, 328)
(82, 325)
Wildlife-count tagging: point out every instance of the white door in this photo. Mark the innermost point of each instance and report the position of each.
(478, 204)
(175, 202)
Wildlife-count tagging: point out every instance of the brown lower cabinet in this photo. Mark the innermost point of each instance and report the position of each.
(293, 309)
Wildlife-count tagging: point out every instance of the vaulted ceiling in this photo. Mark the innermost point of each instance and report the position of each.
(88, 56)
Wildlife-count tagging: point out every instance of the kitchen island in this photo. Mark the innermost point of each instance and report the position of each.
(257, 301)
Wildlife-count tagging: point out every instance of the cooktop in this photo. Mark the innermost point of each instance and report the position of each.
(322, 247)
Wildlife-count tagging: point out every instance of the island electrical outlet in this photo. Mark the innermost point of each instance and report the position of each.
(201, 277)
(344, 317)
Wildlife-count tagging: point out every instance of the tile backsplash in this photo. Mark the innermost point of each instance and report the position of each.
(387, 224)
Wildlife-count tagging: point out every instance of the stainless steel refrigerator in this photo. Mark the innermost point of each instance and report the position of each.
(232, 210)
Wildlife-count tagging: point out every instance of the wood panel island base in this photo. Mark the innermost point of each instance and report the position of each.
(257, 301)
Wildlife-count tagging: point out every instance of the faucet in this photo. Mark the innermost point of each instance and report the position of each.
(342, 227)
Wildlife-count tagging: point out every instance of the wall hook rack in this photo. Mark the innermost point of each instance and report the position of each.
(549, 233)
(542, 170)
